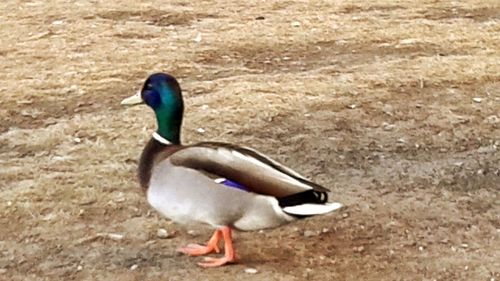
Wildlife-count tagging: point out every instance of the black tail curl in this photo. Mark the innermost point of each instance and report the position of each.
(304, 197)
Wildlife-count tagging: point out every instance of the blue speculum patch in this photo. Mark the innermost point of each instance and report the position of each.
(234, 184)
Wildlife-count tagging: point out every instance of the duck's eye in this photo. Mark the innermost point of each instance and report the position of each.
(151, 98)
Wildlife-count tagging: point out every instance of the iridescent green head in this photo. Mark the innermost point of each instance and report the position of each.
(163, 94)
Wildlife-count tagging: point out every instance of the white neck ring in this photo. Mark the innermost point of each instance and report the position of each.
(160, 139)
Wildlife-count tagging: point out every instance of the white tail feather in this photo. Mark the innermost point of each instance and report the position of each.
(312, 209)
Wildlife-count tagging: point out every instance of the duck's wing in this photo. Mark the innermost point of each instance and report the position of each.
(254, 170)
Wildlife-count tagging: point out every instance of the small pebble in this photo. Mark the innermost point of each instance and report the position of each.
(295, 24)
(359, 249)
(197, 39)
(24, 102)
(200, 130)
(487, 149)
(134, 267)
(115, 236)
(79, 268)
(388, 109)
(307, 273)
(251, 270)
(492, 119)
(388, 127)
(309, 233)
(408, 41)
(478, 100)
(162, 233)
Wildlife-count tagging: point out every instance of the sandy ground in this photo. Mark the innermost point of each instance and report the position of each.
(394, 105)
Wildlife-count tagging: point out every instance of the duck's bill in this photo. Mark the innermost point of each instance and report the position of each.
(135, 99)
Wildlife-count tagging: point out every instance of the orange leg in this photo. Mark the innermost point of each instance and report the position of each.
(229, 255)
(199, 250)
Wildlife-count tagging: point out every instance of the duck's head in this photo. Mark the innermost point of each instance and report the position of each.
(163, 94)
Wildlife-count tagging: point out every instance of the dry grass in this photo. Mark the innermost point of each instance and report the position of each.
(374, 100)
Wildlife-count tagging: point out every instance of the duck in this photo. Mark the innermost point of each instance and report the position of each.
(222, 185)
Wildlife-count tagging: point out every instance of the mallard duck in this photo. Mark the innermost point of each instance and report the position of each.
(223, 185)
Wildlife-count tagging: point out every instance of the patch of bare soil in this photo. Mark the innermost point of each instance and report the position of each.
(393, 106)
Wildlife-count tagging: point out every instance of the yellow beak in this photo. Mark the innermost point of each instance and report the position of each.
(132, 100)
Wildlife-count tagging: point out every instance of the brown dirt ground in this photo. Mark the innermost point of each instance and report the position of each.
(378, 101)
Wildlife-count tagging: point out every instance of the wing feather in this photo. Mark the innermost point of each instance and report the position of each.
(248, 167)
